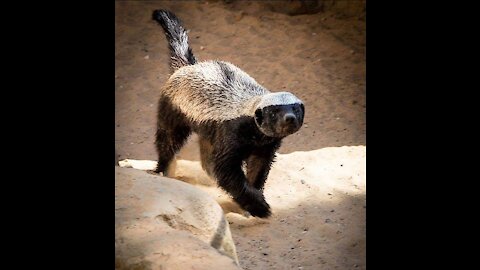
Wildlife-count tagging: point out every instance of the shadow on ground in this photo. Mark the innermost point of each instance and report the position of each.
(322, 235)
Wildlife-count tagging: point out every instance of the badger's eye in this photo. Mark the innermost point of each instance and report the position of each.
(258, 116)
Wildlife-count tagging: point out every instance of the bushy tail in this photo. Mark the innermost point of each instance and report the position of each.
(181, 53)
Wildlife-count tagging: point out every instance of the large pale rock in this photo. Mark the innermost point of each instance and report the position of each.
(190, 172)
(162, 223)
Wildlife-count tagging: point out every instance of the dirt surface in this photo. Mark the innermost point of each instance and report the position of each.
(319, 57)
(318, 202)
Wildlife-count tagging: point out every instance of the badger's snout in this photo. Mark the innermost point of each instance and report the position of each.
(289, 118)
(290, 123)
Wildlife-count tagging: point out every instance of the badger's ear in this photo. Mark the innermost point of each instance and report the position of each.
(303, 109)
(258, 116)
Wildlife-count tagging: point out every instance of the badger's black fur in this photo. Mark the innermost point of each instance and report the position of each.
(240, 123)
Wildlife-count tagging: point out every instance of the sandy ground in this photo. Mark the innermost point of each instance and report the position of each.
(318, 201)
(319, 57)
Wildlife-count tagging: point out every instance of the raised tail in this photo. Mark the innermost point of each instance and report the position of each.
(181, 53)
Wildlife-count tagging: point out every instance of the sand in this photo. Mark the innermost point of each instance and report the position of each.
(318, 201)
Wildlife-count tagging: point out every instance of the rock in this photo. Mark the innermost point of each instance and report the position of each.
(138, 164)
(161, 223)
(190, 172)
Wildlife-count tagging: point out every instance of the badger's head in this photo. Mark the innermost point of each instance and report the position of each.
(279, 114)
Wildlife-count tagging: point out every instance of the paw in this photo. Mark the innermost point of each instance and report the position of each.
(259, 209)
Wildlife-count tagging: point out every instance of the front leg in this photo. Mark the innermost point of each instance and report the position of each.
(229, 174)
(259, 164)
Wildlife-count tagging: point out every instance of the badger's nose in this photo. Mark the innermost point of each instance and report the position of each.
(289, 118)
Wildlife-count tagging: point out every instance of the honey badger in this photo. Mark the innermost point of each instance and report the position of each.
(240, 124)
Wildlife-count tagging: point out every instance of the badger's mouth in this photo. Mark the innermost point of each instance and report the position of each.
(280, 132)
(287, 130)
(280, 129)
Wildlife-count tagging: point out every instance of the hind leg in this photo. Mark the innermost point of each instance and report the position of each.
(168, 142)
(206, 149)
